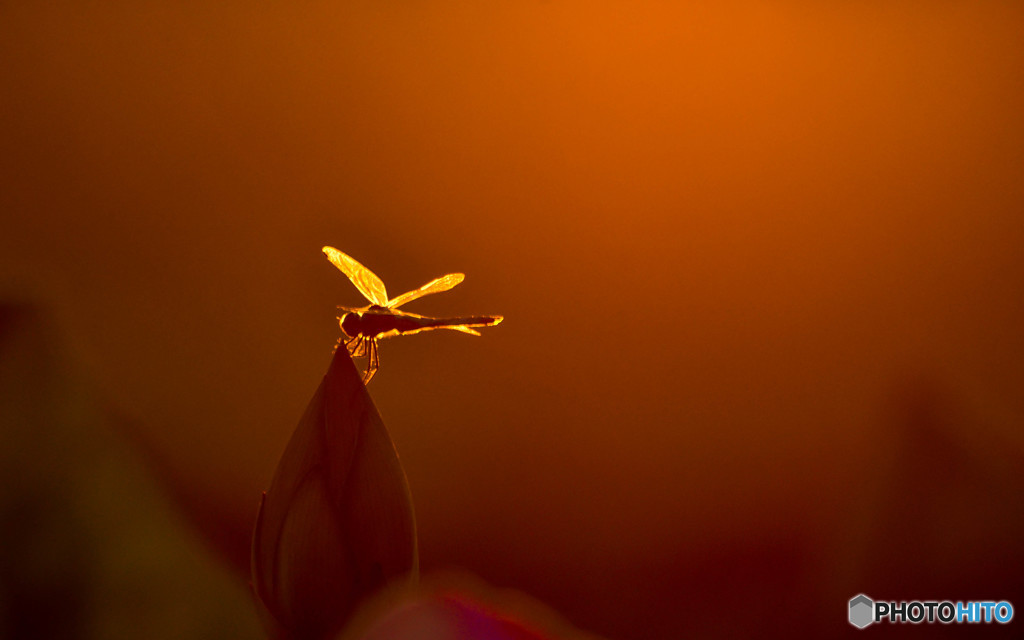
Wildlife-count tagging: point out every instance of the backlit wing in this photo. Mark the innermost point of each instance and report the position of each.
(365, 280)
(463, 328)
(437, 285)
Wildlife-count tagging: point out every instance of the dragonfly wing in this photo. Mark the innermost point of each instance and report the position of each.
(463, 328)
(365, 280)
(436, 285)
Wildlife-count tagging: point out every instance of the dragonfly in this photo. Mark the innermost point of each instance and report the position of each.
(364, 326)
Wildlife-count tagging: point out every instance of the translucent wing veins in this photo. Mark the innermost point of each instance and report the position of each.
(365, 280)
(436, 285)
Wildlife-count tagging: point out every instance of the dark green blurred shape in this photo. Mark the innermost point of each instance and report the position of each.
(88, 546)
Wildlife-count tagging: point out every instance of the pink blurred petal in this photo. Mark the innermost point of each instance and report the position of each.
(462, 609)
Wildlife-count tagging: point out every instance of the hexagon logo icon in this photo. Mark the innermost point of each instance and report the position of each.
(862, 609)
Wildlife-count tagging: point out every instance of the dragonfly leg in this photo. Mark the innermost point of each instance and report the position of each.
(373, 361)
(356, 347)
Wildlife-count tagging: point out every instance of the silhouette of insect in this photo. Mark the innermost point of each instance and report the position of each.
(364, 326)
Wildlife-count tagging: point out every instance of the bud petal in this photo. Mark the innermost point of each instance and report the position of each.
(337, 522)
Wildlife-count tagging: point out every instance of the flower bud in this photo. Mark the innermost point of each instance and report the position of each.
(337, 522)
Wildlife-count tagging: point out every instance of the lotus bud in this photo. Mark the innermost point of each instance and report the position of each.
(337, 522)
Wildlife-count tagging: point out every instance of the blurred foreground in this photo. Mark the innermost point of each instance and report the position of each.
(92, 548)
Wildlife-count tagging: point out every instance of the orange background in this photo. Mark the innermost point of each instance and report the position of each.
(733, 243)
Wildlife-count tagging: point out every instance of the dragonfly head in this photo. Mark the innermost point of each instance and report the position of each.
(350, 323)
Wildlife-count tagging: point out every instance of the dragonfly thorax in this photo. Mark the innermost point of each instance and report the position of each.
(369, 321)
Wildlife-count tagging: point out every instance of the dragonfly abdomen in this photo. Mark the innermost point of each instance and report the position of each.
(371, 325)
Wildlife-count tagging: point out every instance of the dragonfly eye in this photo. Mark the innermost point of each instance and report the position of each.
(350, 324)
